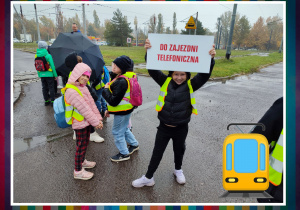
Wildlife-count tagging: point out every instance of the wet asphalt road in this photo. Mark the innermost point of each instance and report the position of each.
(43, 159)
(23, 61)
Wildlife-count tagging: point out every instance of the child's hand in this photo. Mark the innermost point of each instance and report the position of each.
(106, 114)
(212, 52)
(147, 44)
(100, 126)
(106, 85)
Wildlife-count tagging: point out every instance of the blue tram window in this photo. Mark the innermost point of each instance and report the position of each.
(229, 157)
(245, 155)
(262, 156)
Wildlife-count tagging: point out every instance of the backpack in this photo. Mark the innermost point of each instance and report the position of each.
(59, 108)
(136, 98)
(41, 64)
(106, 75)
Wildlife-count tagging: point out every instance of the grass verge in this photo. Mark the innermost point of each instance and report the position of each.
(223, 67)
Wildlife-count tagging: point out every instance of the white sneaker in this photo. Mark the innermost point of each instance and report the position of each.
(96, 138)
(74, 136)
(143, 181)
(179, 176)
(83, 174)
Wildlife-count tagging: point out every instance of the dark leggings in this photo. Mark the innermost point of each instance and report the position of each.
(82, 141)
(48, 88)
(164, 134)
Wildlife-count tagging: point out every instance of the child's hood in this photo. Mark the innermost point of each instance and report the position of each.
(78, 70)
(41, 52)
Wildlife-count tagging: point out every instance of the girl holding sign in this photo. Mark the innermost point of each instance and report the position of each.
(175, 106)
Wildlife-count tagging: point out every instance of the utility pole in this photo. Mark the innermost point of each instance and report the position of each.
(25, 33)
(59, 21)
(37, 24)
(24, 30)
(270, 39)
(83, 14)
(154, 25)
(136, 40)
(217, 41)
(196, 23)
(219, 38)
(228, 48)
(280, 48)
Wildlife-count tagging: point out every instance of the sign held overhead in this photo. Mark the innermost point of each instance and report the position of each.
(174, 52)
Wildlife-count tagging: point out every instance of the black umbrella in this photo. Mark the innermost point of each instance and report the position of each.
(67, 43)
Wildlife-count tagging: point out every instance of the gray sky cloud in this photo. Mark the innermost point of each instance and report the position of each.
(207, 12)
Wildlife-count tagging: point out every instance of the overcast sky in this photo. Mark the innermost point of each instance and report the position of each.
(207, 12)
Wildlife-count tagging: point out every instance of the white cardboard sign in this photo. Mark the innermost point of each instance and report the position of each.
(172, 52)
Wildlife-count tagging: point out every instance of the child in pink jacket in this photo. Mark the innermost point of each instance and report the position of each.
(87, 108)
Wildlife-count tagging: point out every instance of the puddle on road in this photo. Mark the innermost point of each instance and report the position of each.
(23, 144)
(224, 80)
(261, 54)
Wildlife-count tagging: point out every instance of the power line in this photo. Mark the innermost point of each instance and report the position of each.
(226, 7)
(187, 18)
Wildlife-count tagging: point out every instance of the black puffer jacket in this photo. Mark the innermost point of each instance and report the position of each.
(273, 120)
(178, 109)
(118, 88)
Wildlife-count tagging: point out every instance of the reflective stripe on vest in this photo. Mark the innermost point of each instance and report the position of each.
(164, 91)
(124, 105)
(162, 94)
(193, 100)
(276, 162)
(71, 111)
(101, 84)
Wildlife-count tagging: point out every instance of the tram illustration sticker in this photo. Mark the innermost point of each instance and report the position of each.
(245, 162)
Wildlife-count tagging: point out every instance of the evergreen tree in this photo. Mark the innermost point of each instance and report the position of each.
(91, 30)
(160, 24)
(168, 30)
(152, 24)
(199, 30)
(118, 29)
(174, 23)
(96, 20)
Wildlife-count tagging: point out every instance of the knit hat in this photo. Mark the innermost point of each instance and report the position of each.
(124, 63)
(188, 74)
(87, 73)
(71, 60)
(42, 45)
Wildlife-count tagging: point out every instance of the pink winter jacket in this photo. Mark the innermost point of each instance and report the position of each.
(85, 105)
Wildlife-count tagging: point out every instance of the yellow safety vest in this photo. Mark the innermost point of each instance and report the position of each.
(47, 62)
(164, 91)
(101, 84)
(276, 162)
(71, 111)
(124, 105)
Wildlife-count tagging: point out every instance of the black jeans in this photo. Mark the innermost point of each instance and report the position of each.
(164, 134)
(48, 87)
(55, 85)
